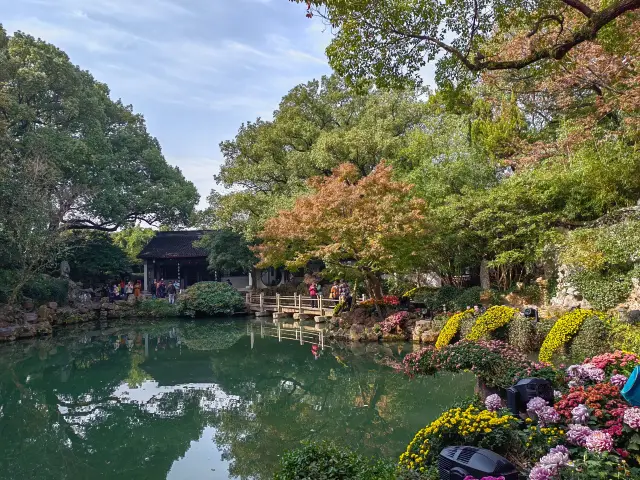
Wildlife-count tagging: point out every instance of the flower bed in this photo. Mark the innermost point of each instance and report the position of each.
(451, 328)
(498, 364)
(491, 320)
(394, 322)
(563, 330)
(591, 432)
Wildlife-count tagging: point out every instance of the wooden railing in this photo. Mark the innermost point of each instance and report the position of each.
(281, 332)
(291, 304)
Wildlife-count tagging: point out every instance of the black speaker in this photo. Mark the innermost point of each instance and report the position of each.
(455, 463)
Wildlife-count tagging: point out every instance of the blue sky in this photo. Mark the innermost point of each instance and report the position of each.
(196, 69)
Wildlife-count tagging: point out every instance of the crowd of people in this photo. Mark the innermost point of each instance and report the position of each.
(340, 291)
(122, 290)
(162, 289)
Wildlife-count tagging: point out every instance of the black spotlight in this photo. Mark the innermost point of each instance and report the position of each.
(455, 463)
(519, 395)
(531, 313)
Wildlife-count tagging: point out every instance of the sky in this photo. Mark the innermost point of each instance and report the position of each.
(196, 69)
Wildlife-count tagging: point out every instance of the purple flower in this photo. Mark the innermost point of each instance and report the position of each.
(557, 394)
(540, 472)
(632, 417)
(591, 372)
(574, 371)
(577, 434)
(580, 414)
(553, 461)
(618, 380)
(536, 404)
(547, 415)
(559, 449)
(493, 402)
(599, 442)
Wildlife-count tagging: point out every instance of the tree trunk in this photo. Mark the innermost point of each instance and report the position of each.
(485, 283)
(374, 287)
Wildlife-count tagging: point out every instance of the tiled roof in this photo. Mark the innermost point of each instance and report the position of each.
(174, 245)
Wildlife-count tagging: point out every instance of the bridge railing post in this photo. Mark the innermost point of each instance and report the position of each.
(295, 300)
(262, 302)
(320, 305)
(278, 302)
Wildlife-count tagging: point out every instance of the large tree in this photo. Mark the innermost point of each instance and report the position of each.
(367, 225)
(109, 172)
(318, 126)
(391, 40)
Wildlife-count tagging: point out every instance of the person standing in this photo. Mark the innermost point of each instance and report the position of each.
(313, 293)
(162, 288)
(335, 291)
(129, 289)
(345, 293)
(152, 289)
(122, 285)
(137, 288)
(171, 290)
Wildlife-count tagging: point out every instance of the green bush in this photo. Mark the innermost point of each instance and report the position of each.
(522, 334)
(325, 461)
(158, 308)
(210, 298)
(454, 299)
(592, 339)
(47, 289)
(603, 291)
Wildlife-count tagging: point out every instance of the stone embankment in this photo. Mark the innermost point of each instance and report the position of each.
(27, 321)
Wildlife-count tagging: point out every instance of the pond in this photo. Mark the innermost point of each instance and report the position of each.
(200, 400)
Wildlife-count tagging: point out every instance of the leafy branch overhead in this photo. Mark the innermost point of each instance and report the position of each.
(391, 40)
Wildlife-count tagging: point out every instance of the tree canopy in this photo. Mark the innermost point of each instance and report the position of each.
(369, 225)
(107, 172)
(391, 40)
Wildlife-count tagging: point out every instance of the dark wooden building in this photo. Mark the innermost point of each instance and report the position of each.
(172, 256)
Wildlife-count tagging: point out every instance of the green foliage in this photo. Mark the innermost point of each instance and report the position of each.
(106, 170)
(601, 290)
(210, 299)
(454, 299)
(324, 461)
(94, 258)
(158, 308)
(318, 126)
(44, 288)
(522, 334)
(592, 339)
(625, 336)
(227, 251)
(132, 241)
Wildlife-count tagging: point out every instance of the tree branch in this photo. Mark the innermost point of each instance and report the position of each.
(581, 7)
(543, 19)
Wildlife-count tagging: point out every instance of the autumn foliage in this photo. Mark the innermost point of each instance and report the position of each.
(367, 225)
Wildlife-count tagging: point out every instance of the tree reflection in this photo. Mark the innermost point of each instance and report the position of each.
(84, 405)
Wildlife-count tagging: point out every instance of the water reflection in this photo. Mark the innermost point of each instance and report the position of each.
(200, 399)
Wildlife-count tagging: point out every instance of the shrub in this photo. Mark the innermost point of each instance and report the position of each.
(47, 289)
(451, 328)
(625, 337)
(491, 320)
(325, 461)
(210, 298)
(562, 331)
(522, 334)
(451, 297)
(592, 339)
(158, 308)
(602, 291)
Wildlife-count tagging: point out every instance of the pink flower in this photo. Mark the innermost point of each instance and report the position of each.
(618, 380)
(578, 434)
(493, 402)
(536, 404)
(540, 472)
(547, 415)
(599, 442)
(632, 417)
(580, 414)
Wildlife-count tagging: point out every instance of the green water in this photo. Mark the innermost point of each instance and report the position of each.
(199, 400)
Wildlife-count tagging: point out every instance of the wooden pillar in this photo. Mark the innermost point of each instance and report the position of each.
(262, 302)
(146, 276)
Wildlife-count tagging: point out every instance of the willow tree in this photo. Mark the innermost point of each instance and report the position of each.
(368, 225)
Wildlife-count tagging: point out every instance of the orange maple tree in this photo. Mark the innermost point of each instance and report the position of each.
(367, 225)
